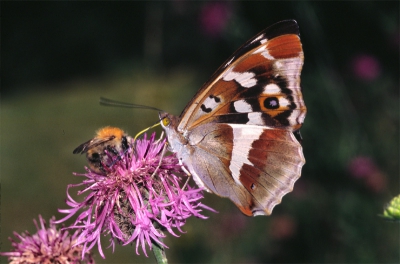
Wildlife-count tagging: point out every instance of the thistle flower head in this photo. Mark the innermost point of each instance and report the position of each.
(136, 200)
(48, 245)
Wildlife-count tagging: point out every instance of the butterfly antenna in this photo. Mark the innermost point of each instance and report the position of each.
(110, 102)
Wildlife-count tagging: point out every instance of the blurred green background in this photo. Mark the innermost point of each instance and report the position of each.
(58, 58)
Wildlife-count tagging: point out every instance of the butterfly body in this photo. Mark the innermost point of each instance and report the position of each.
(236, 137)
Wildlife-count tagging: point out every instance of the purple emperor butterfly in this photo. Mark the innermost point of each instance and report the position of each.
(239, 135)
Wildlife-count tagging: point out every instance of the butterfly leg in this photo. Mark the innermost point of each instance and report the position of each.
(186, 172)
(164, 150)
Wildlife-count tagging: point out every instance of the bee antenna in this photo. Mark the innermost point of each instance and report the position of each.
(110, 102)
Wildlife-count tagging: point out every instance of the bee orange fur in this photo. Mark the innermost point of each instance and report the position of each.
(110, 139)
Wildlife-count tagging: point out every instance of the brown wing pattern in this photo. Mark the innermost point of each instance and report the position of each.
(253, 166)
(259, 84)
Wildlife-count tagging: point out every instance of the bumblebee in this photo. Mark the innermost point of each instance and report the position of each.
(112, 139)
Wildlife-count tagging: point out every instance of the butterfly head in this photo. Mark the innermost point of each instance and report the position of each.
(176, 139)
(165, 119)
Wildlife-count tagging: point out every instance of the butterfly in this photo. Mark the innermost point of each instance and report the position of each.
(239, 136)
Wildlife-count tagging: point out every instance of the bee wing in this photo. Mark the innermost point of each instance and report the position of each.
(84, 147)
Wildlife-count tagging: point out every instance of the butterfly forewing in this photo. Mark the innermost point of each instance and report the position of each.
(259, 84)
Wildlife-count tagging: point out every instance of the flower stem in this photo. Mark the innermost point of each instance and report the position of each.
(159, 253)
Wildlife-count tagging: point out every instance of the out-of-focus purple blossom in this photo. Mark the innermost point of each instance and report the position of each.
(48, 245)
(282, 227)
(214, 17)
(129, 203)
(366, 67)
(364, 168)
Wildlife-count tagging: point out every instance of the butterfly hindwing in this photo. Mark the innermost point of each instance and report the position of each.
(253, 166)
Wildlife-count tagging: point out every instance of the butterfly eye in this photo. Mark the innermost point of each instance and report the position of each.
(166, 121)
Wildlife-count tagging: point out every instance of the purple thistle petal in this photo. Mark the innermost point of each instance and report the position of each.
(48, 245)
(130, 204)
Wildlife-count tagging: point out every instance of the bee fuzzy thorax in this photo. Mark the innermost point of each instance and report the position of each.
(107, 132)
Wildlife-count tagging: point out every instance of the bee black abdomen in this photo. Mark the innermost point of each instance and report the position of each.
(95, 162)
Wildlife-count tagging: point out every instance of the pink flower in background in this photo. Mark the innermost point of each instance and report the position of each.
(282, 227)
(364, 168)
(129, 203)
(214, 17)
(366, 67)
(48, 245)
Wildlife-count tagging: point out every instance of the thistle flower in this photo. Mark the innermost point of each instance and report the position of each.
(136, 200)
(48, 245)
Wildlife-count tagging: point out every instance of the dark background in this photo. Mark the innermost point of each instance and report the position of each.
(58, 58)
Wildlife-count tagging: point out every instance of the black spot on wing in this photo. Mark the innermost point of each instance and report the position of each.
(216, 99)
(271, 103)
(205, 109)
